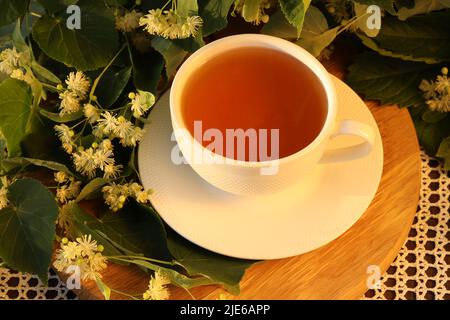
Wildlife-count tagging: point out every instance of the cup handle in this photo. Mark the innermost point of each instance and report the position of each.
(352, 128)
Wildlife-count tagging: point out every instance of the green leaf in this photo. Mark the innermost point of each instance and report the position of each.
(444, 148)
(27, 227)
(56, 5)
(187, 8)
(431, 134)
(191, 44)
(425, 37)
(79, 226)
(175, 277)
(104, 289)
(198, 261)
(278, 26)
(173, 54)
(387, 5)
(43, 73)
(11, 163)
(11, 10)
(15, 103)
(444, 152)
(55, 117)
(88, 48)
(112, 84)
(214, 14)
(392, 81)
(421, 7)
(136, 228)
(315, 23)
(250, 10)
(370, 43)
(92, 190)
(147, 69)
(294, 11)
(2, 151)
(18, 39)
(430, 116)
(316, 44)
(316, 36)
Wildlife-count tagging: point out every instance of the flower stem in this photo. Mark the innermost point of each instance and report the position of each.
(97, 80)
(124, 258)
(125, 294)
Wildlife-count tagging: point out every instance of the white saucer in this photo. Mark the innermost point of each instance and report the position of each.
(301, 218)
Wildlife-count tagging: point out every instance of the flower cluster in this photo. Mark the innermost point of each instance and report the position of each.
(84, 253)
(68, 188)
(141, 102)
(170, 25)
(118, 127)
(77, 88)
(91, 113)
(4, 192)
(65, 135)
(437, 92)
(157, 288)
(11, 61)
(98, 156)
(129, 21)
(259, 17)
(17, 65)
(116, 195)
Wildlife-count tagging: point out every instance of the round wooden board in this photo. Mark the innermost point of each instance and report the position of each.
(338, 269)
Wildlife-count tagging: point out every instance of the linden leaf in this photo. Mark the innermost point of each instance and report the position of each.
(27, 227)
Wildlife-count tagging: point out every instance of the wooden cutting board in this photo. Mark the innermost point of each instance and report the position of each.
(338, 269)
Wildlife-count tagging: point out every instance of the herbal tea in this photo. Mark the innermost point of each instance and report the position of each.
(259, 89)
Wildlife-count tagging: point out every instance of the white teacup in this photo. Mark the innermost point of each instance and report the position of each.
(247, 178)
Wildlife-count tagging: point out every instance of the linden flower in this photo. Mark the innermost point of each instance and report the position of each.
(84, 162)
(259, 17)
(84, 253)
(4, 202)
(91, 113)
(61, 177)
(69, 103)
(9, 60)
(97, 157)
(191, 26)
(112, 171)
(129, 21)
(116, 195)
(170, 25)
(78, 83)
(437, 93)
(157, 288)
(68, 191)
(87, 245)
(65, 135)
(102, 158)
(120, 127)
(141, 102)
(133, 137)
(62, 194)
